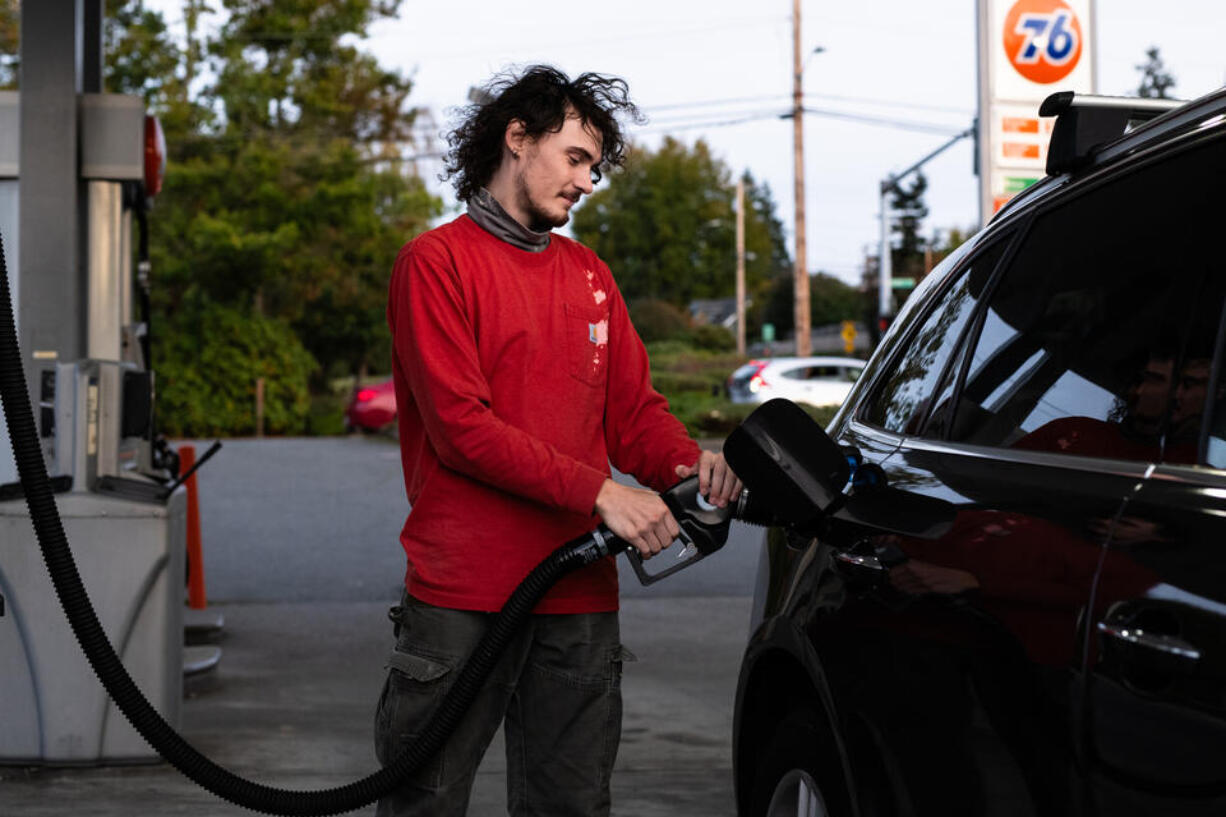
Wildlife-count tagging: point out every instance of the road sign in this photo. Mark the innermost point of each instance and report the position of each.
(849, 336)
(1028, 49)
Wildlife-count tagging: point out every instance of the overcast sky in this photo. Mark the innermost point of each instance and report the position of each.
(695, 66)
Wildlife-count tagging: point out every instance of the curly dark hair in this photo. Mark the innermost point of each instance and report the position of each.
(541, 97)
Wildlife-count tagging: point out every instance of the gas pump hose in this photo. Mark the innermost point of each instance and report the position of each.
(132, 702)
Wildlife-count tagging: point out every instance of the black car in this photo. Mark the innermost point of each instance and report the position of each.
(1031, 618)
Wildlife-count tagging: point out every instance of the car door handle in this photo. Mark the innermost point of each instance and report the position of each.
(860, 562)
(1166, 645)
(861, 569)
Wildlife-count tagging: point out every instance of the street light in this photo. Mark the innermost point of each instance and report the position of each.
(821, 49)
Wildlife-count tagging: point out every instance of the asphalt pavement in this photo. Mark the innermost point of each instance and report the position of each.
(302, 561)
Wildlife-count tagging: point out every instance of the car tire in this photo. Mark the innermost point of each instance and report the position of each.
(798, 775)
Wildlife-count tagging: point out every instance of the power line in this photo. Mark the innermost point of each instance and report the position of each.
(683, 124)
(859, 100)
(683, 119)
(717, 123)
(901, 124)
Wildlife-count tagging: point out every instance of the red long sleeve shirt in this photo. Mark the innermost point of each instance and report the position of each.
(518, 378)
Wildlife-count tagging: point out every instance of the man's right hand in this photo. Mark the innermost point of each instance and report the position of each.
(638, 516)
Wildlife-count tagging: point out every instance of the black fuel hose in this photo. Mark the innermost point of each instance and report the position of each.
(128, 697)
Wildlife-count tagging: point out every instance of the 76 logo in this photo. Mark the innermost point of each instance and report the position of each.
(1050, 37)
(1042, 39)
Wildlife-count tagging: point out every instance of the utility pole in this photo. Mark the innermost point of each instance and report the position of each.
(801, 284)
(740, 265)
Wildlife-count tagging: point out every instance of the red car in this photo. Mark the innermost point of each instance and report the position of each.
(372, 408)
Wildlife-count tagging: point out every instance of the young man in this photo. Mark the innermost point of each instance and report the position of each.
(518, 378)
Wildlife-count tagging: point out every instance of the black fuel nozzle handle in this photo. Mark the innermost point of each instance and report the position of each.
(704, 530)
(182, 478)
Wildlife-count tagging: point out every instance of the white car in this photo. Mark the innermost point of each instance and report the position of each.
(819, 381)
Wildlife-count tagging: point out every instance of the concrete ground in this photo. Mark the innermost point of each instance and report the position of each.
(302, 560)
(292, 700)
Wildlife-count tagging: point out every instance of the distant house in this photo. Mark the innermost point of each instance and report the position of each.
(714, 311)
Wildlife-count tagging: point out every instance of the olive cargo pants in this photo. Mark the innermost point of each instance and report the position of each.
(556, 689)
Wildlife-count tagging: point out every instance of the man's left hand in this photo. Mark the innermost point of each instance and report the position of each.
(716, 481)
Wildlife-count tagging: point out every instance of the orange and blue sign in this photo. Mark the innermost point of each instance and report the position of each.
(1043, 39)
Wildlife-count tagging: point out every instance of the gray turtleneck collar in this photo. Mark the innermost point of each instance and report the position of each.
(484, 209)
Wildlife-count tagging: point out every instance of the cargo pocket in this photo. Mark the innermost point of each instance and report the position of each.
(414, 688)
(587, 343)
(613, 714)
(621, 655)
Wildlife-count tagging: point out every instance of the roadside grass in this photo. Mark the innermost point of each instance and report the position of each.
(691, 379)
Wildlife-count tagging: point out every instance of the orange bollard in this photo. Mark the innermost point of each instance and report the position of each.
(195, 557)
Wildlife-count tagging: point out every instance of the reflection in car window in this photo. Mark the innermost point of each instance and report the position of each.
(1215, 453)
(1098, 339)
(902, 397)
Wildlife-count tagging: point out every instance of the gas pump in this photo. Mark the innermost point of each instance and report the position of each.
(96, 414)
(93, 400)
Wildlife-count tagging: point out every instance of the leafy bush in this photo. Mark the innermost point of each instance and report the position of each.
(705, 416)
(327, 414)
(661, 350)
(207, 367)
(692, 380)
(673, 382)
(657, 320)
(713, 338)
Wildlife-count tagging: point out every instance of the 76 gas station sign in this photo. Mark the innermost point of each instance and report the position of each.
(1028, 49)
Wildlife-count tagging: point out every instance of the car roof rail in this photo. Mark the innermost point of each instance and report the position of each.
(1086, 122)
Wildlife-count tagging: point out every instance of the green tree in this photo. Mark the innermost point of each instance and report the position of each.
(944, 242)
(830, 301)
(141, 57)
(666, 224)
(285, 198)
(1156, 81)
(295, 202)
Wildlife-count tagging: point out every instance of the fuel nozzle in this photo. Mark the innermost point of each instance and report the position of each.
(795, 475)
(704, 530)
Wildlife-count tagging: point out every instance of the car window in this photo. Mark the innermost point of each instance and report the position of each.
(901, 399)
(797, 373)
(1215, 454)
(1215, 430)
(1111, 301)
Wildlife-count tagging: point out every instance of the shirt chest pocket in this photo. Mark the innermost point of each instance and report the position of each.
(587, 343)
